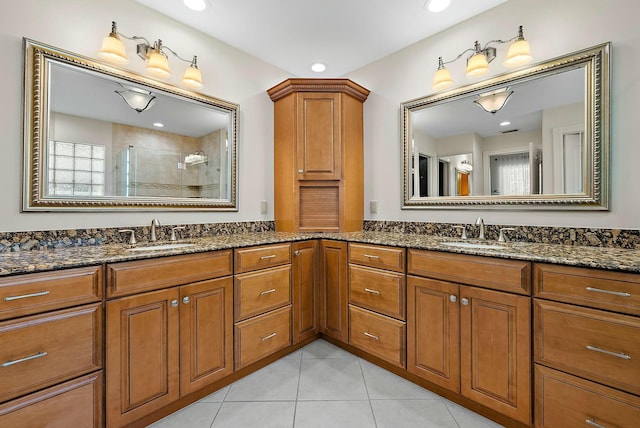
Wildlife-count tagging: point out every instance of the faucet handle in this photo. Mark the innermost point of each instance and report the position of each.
(173, 232)
(132, 237)
(464, 231)
(502, 238)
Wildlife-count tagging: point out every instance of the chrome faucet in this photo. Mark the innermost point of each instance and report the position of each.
(480, 222)
(154, 223)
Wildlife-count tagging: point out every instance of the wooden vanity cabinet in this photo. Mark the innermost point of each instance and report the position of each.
(471, 340)
(262, 302)
(334, 309)
(377, 301)
(305, 275)
(165, 344)
(318, 155)
(51, 347)
(586, 343)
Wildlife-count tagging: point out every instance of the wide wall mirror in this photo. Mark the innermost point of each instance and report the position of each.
(547, 147)
(99, 138)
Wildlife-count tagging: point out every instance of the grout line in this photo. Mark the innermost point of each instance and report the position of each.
(366, 388)
(295, 407)
(449, 410)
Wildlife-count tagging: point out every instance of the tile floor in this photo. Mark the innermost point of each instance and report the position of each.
(323, 386)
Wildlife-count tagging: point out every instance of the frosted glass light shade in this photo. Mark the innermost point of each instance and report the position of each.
(492, 102)
(442, 79)
(192, 78)
(477, 65)
(158, 65)
(112, 50)
(518, 54)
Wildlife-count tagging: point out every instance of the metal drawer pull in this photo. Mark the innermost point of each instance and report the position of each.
(369, 256)
(615, 293)
(272, 256)
(373, 336)
(594, 423)
(613, 354)
(273, 290)
(262, 339)
(368, 290)
(22, 360)
(26, 296)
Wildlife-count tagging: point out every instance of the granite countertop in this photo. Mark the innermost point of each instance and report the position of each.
(51, 259)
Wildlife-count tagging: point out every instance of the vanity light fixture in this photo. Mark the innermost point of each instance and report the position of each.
(480, 57)
(138, 99)
(492, 102)
(155, 55)
(465, 166)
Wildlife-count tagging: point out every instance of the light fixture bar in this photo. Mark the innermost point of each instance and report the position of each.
(478, 61)
(155, 56)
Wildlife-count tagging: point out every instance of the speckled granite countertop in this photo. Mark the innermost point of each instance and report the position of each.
(51, 259)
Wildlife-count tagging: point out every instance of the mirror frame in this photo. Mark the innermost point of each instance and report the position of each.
(35, 136)
(596, 61)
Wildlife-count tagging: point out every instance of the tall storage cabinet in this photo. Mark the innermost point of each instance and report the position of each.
(318, 155)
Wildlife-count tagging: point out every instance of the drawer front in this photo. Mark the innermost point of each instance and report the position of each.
(254, 258)
(77, 403)
(42, 350)
(488, 272)
(261, 336)
(378, 335)
(390, 258)
(144, 275)
(598, 345)
(262, 291)
(567, 401)
(377, 290)
(616, 291)
(39, 292)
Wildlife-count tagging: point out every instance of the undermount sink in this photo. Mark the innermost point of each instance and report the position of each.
(160, 247)
(474, 245)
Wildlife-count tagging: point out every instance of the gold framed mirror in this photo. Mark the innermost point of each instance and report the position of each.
(546, 148)
(97, 137)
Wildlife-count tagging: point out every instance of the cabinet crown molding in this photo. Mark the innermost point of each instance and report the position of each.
(345, 86)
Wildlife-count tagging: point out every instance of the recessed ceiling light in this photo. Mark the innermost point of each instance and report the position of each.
(318, 67)
(158, 125)
(505, 123)
(197, 5)
(437, 5)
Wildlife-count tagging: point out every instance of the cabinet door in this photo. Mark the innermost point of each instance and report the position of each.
(495, 350)
(142, 355)
(433, 331)
(305, 290)
(335, 311)
(206, 333)
(318, 144)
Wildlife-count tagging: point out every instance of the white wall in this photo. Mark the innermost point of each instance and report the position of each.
(553, 28)
(79, 26)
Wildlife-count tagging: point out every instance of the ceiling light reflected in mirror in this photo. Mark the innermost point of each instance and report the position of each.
(436, 6)
(197, 5)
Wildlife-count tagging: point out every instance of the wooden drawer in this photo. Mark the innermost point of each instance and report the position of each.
(616, 291)
(378, 335)
(41, 350)
(254, 258)
(567, 401)
(598, 345)
(261, 291)
(144, 275)
(499, 274)
(261, 336)
(389, 258)
(77, 403)
(39, 292)
(377, 290)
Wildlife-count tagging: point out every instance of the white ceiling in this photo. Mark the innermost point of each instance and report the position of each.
(343, 34)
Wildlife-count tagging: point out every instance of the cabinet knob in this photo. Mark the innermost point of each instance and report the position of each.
(453, 298)
(186, 300)
(296, 253)
(174, 303)
(464, 301)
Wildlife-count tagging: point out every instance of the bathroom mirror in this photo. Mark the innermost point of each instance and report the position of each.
(547, 147)
(97, 137)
